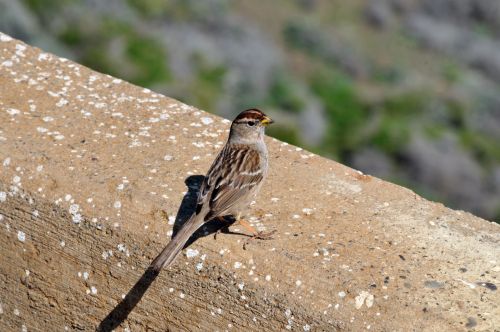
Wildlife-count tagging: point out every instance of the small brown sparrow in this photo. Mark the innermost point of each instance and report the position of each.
(232, 182)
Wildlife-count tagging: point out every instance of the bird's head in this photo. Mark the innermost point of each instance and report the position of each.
(249, 126)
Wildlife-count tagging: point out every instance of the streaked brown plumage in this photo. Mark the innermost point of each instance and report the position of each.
(231, 183)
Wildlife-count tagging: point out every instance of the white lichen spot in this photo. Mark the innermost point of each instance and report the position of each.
(62, 243)
(268, 277)
(4, 37)
(360, 299)
(206, 120)
(307, 211)
(67, 198)
(298, 283)
(39, 168)
(77, 218)
(3, 196)
(21, 236)
(117, 205)
(41, 130)
(342, 294)
(168, 157)
(237, 265)
(85, 275)
(199, 266)
(13, 111)
(93, 290)
(6, 162)
(190, 253)
(61, 102)
(73, 208)
(171, 220)
(182, 295)
(306, 327)
(43, 56)
(106, 254)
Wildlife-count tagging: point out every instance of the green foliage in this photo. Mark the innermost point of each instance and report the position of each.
(346, 112)
(284, 95)
(149, 59)
(397, 117)
(150, 7)
(144, 56)
(484, 148)
(207, 87)
(300, 36)
(387, 75)
(451, 72)
(43, 8)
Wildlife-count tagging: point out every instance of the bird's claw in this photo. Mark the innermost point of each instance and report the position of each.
(259, 236)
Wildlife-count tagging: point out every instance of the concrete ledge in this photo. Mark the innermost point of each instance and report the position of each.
(93, 171)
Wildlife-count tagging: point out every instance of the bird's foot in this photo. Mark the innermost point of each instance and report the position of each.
(259, 236)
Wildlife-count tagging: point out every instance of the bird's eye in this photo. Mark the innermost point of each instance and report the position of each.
(251, 123)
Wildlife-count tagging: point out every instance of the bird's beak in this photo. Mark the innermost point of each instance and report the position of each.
(266, 121)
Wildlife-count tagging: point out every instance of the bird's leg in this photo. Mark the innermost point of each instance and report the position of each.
(223, 229)
(255, 234)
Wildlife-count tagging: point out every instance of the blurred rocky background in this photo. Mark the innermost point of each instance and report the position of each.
(407, 90)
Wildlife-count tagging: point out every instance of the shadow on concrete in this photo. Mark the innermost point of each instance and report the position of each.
(120, 313)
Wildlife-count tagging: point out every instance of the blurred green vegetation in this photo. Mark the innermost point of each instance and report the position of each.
(208, 84)
(345, 111)
(376, 89)
(144, 57)
(284, 95)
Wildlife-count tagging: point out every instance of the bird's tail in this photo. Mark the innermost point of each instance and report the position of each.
(174, 247)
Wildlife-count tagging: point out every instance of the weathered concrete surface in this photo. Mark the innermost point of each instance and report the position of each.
(92, 173)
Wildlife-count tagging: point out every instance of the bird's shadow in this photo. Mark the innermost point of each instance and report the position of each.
(186, 209)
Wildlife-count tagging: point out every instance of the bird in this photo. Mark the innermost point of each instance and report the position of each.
(231, 183)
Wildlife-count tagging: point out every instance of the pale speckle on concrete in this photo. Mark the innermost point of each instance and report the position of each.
(190, 253)
(21, 236)
(364, 298)
(206, 120)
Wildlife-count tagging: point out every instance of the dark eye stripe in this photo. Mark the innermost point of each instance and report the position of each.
(247, 121)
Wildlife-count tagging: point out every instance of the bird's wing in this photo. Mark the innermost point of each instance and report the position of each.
(234, 174)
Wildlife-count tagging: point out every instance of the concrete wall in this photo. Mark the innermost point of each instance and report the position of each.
(95, 173)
